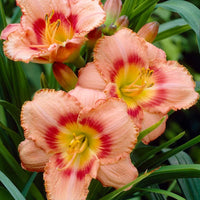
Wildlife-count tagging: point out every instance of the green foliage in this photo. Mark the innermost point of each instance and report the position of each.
(184, 9)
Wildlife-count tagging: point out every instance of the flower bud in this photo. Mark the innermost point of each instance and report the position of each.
(149, 31)
(122, 22)
(65, 76)
(93, 36)
(112, 9)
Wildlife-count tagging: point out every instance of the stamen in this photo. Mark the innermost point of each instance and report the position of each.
(142, 81)
(51, 28)
(77, 145)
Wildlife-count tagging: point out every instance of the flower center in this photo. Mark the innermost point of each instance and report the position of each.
(55, 32)
(143, 80)
(78, 144)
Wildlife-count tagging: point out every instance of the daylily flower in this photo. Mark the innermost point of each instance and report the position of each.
(50, 30)
(127, 67)
(72, 143)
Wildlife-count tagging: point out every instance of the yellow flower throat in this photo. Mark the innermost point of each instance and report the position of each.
(143, 80)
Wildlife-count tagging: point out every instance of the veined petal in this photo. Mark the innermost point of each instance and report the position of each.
(87, 97)
(9, 29)
(18, 48)
(173, 88)
(89, 77)
(41, 117)
(149, 120)
(116, 132)
(154, 53)
(89, 15)
(118, 54)
(33, 158)
(118, 174)
(66, 184)
(34, 10)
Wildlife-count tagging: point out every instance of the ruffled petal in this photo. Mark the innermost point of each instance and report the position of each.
(88, 15)
(66, 184)
(89, 77)
(173, 88)
(116, 132)
(154, 53)
(42, 117)
(33, 158)
(149, 120)
(112, 53)
(87, 97)
(35, 10)
(118, 174)
(9, 29)
(18, 48)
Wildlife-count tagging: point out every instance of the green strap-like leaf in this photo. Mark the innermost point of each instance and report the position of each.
(156, 161)
(190, 186)
(29, 183)
(197, 88)
(173, 27)
(20, 175)
(11, 187)
(187, 11)
(137, 8)
(151, 153)
(13, 111)
(14, 136)
(159, 191)
(3, 22)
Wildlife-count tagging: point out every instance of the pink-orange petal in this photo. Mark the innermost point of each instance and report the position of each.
(118, 54)
(149, 120)
(64, 184)
(33, 158)
(34, 10)
(89, 15)
(115, 128)
(173, 87)
(41, 117)
(118, 174)
(89, 77)
(18, 47)
(154, 53)
(9, 29)
(87, 97)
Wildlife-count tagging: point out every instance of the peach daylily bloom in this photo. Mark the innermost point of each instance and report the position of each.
(127, 67)
(51, 31)
(79, 143)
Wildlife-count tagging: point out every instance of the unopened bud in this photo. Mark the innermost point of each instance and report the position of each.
(149, 31)
(122, 22)
(65, 76)
(112, 9)
(93, 36)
